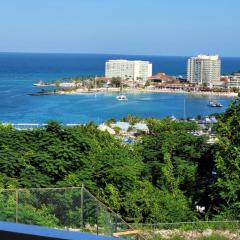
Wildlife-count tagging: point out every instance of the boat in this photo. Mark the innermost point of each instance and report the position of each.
(43, 92)
(43, 84)
(214, 104)
(121, 98)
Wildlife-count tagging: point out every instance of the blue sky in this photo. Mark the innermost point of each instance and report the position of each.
(151, 27)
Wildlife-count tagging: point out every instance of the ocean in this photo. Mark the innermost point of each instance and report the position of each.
(19, 71)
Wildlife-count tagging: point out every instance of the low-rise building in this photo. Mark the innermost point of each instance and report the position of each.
(234, 80)
(162, 78)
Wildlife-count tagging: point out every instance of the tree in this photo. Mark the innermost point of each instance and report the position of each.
(148, 83)
(234, 89)
(133, 119)
(116, 81)
(226, 188)
(171, 154)
(53, 127)
(110, 121)
(146, 203)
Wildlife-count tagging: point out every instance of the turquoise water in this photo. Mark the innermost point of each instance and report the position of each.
(17, 107)
(18, 73)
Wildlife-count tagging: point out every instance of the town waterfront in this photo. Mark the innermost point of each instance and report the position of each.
(18, 73)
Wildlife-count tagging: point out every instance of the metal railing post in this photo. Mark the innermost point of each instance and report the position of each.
(82, 202)
(17, 195)
(97, 218)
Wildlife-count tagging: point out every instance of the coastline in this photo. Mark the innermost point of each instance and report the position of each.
(130, 90)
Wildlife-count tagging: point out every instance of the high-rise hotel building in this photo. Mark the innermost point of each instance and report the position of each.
(204, 69)
(137, 70)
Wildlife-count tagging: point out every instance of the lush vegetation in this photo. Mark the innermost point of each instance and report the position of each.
(160, 178)
(214, 237)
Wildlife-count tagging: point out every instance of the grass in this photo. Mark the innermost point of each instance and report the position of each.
(173, 238)
(213, 237)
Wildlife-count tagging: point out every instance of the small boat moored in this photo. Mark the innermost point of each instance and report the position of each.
(214, 104)
(121, 98)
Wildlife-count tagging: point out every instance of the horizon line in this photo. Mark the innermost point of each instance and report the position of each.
(120, 54)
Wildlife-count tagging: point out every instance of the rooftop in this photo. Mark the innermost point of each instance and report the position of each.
(206, 57)
(162, 76)
(31, 232)
(127, 61)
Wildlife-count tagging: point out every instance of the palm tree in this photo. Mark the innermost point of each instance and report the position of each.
(57, 83)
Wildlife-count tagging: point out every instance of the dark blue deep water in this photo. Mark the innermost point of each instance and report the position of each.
(18, 73)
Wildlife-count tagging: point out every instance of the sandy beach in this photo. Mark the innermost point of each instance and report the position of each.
(130, 90)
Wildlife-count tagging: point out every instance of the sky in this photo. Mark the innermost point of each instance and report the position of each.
(143, 27)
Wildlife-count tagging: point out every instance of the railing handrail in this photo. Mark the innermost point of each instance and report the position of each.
(41, 189)
(82, 188)
(179, 223)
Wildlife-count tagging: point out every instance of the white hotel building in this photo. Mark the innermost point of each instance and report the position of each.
(204, 69)
(136, 70)
(234, 81)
